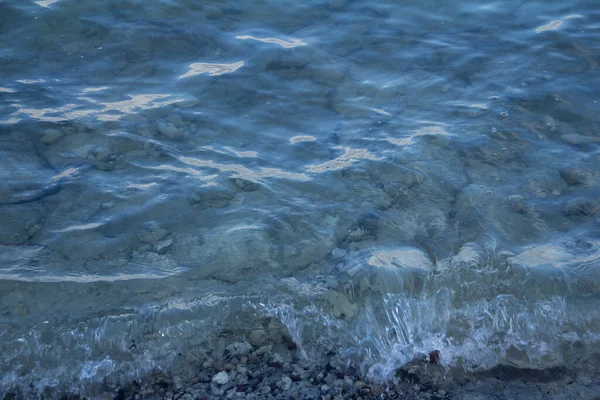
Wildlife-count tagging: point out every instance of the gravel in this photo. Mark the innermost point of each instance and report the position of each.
(246, 371)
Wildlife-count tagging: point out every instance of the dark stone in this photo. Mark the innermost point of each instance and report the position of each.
(581, 206)
(254, 360)
(245, 185)
(434, 357)
(210, 198)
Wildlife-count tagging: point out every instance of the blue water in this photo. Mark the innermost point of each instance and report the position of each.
(384, 178)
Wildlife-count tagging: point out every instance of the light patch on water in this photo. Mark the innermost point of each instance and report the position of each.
(556, 256)
(251, 154)
(71, 111)
(135, 103)
(141, 185)
(212, 69)
(554, 25)
(287, 44)
(304, 138)
(94, 89)
(7, 90)
(189, 171)
(381, 112)
(403, 258)
(55, 277)
(67, 172)
(241, 227)
(30, 81)
(349, 157)
(550, 26)
(243, 172)
(45, 3)
(79, 227)
(425, 131)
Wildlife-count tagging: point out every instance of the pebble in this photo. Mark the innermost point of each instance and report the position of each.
(245, 185)
(164, 246)
(265, 390)
(377, 390)
(581, 206)
(102, 153)
(169, 130)
(239, 349)
(152, 233)
(261, 382)
(52, 136)
(258, 337)
(210, 198)
(338, 253)
(221, 378)
(285, 383)
(229, 367)
(517, 203)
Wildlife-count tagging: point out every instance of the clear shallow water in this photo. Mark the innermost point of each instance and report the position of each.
(387, 180)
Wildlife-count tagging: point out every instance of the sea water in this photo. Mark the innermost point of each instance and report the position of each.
(383, 178)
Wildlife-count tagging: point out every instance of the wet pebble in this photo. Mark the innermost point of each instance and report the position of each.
(169, 130)
(221, 378)
(52, 136)
(285, 383)
(517, 203)
(164, 246)
(245, 185)
(581, 206)
(152, 233)
(210, 198)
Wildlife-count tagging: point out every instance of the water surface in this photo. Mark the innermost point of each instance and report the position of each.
(386, 179)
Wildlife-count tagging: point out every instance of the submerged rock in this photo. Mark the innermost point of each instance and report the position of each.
(245, 185)
(152, 233)
(581, 206)
(210, 197)
(169, 130)
(52, 136)
(20, 222)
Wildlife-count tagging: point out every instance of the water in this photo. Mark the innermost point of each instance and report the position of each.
(384, 179)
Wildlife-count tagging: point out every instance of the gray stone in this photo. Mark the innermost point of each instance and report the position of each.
(169, 130)
(52, 136)
(239, 349)
(285, 383)
(210, 198)
(338, 253)
(258, 337)
(517, 203)
(20, 222)
(221, 378)
(581, 206)
(163, 246)
(245, 185)
(574, 176)
(152, 233)
(101, 153)
(265, 390)
(310, 393)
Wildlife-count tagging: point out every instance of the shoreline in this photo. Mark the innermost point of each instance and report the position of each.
(276, 371)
